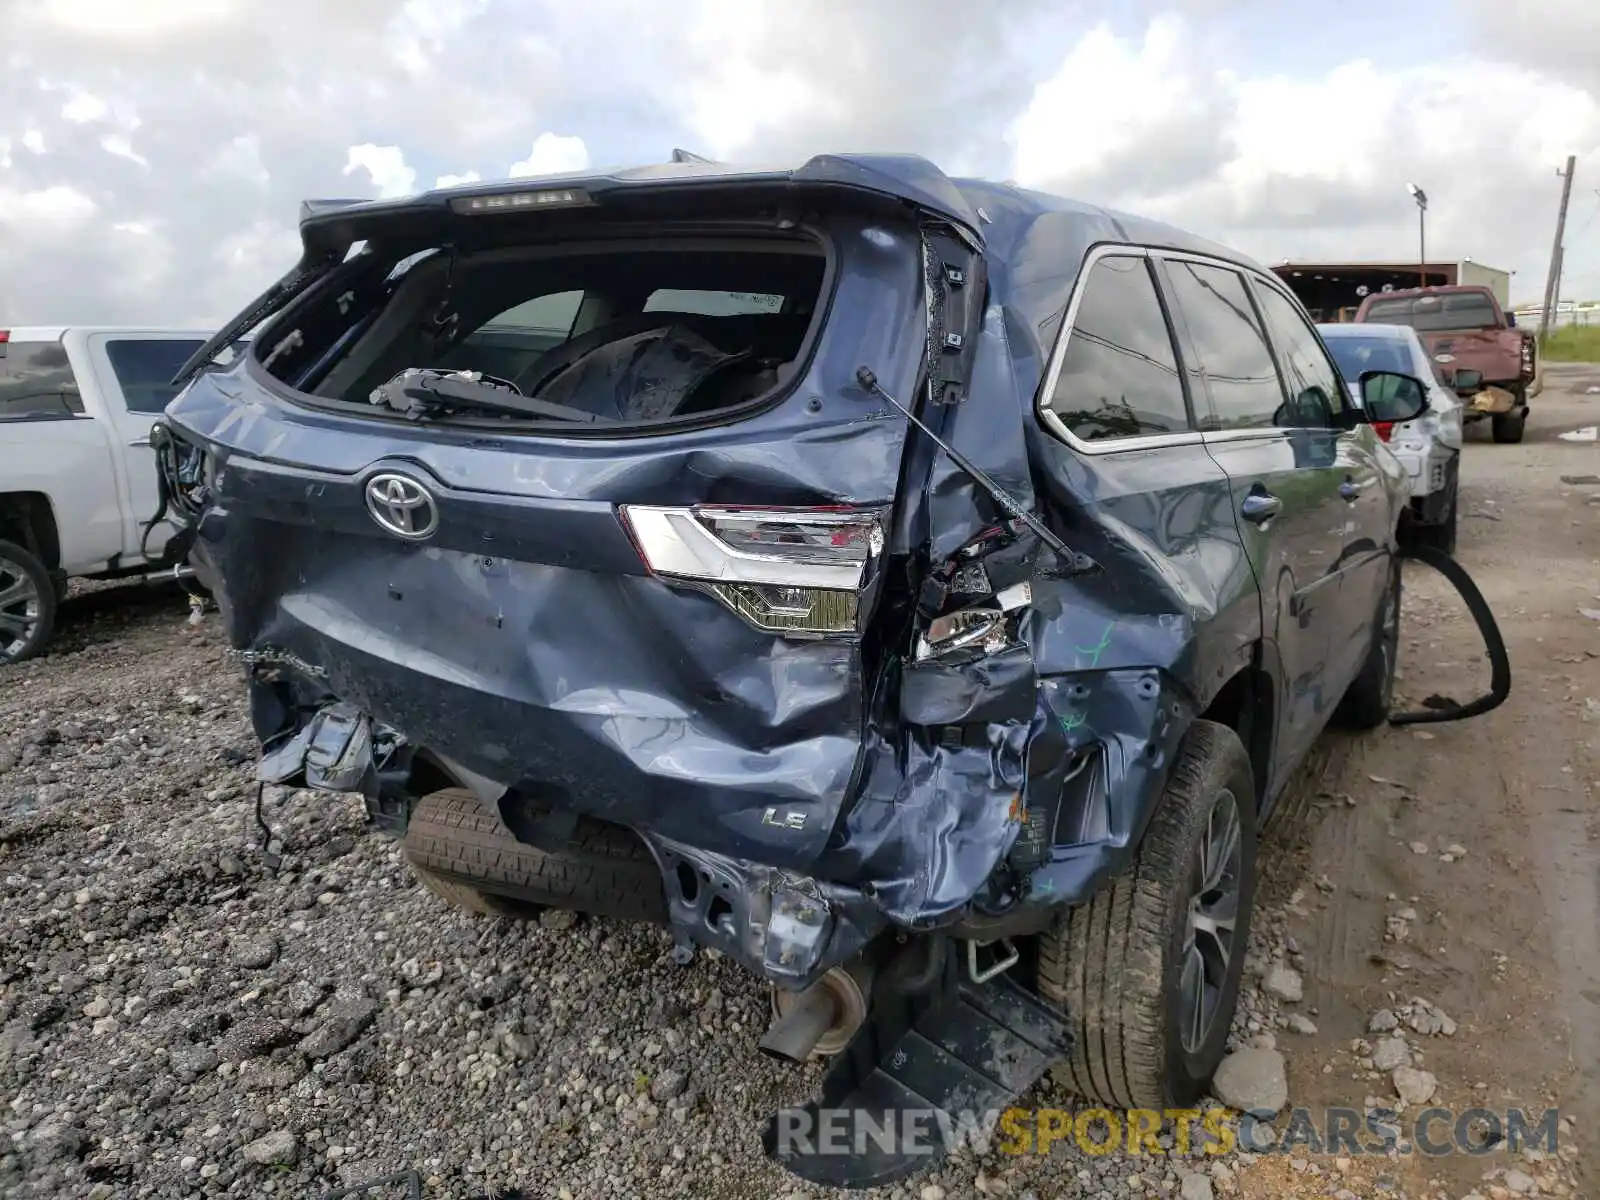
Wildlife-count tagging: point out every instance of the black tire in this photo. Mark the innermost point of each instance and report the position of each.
(1441, 536)
(1367, 701)
(461, 895)
(28, 617)
(1508, 427)
(607, 870)
(1116, 964)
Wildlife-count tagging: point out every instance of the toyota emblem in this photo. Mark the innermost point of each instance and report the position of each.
(402, 506)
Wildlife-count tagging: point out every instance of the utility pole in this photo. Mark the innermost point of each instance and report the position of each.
(1421, 197)
(1555, 250)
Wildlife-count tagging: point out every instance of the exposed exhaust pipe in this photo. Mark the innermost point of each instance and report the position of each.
(822, 1019)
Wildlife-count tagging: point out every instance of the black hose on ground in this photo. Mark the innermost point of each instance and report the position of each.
(1440, 708)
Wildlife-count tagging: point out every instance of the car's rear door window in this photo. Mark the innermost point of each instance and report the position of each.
(37, 384)
(1316, 393)
(1229, 341)
(1119, 376)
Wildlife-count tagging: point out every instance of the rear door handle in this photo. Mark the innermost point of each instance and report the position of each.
(1350, 490)
(1260, 507)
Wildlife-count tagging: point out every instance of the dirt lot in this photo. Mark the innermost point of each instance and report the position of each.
(176, 1020)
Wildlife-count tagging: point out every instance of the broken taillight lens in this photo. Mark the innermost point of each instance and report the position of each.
(791, 571)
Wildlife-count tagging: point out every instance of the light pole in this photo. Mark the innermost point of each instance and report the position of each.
(1421, 197)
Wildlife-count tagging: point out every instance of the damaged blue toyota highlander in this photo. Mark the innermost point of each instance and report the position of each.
(918, 590)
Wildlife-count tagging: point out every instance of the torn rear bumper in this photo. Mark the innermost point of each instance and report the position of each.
(1003, 798)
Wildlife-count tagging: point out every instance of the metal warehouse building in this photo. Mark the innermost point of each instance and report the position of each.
(1333, 291)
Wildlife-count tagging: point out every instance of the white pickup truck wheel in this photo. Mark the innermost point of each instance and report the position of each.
(27, 604)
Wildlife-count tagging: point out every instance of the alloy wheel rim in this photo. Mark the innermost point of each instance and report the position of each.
(1210, 922)
(19, 609)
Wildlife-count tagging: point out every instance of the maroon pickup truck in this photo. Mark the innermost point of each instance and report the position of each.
(1475, 346)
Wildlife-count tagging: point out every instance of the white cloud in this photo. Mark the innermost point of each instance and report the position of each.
(737, 95)
(1311, 165)
(1158, 116)
(239, 158)
(552, 154)
(423, 27)
(243, 108)
(117, 144)
(450, 181)
(385, 167)
(56, 208)
(83, 108)
(135, 18)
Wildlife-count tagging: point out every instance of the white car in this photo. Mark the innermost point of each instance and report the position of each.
(1428, 446)
(77, 474)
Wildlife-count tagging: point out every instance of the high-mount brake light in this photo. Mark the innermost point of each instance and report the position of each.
(789, 571)
(504, 202)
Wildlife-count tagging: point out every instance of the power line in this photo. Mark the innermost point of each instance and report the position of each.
(1593, 213)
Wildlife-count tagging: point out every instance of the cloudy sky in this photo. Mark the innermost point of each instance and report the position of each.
(153, 152)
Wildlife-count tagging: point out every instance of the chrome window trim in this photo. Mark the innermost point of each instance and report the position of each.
(1058, 355)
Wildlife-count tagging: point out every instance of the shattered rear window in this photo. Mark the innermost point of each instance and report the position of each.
(649, 331)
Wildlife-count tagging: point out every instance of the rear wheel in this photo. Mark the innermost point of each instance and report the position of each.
(1508, 427)
(454, 841)
(1367, 701)
(1148, 970)
(27, 604)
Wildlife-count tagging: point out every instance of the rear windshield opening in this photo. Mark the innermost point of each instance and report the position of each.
(1356, 355)
(595, 336)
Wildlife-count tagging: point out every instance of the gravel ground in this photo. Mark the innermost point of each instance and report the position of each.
(177, 1020)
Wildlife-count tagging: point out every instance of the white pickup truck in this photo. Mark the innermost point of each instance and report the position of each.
(77, 475)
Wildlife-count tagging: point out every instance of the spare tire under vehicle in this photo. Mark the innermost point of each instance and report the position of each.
(462, 852)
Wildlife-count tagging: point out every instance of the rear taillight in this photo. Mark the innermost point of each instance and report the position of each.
(5, 340)
(792, 571)
(1383, 429)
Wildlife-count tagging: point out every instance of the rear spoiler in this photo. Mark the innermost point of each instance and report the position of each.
(317, 208)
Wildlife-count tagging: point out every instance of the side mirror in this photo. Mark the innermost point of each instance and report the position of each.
(1391, 396)
(1511, 319)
